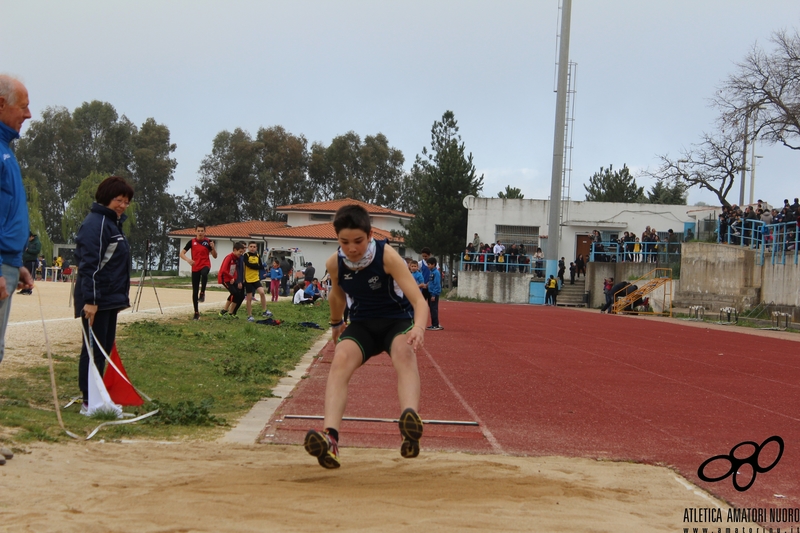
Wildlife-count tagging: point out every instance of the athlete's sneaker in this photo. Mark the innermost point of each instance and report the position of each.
(234, 317)
(84, 409)
(267, 313)
(251, 319)
(430, 328)
(196, 316)
(411, 430)
(223, 313)
(324, 447)
(202, 297)
(437, 328)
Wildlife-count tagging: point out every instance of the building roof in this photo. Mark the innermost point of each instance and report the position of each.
(232, 230)
(322, 231)
(254, 228)
(331, 206)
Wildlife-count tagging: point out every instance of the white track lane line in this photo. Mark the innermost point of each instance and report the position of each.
(486, 433)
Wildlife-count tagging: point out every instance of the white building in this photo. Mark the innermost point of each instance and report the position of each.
(308, 227)
(526, 221)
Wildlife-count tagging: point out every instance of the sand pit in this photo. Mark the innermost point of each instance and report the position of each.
(147, 486)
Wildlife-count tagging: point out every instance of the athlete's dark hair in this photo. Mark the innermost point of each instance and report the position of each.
(425, 250)
(252, 242)
(199, 226)
(238, 245)
(431, 261)
(352, 217)
(110, 188)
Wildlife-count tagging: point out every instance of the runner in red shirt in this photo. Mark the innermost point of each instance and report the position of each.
(201, 248)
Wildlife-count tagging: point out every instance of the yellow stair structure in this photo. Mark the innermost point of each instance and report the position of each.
(647, 284)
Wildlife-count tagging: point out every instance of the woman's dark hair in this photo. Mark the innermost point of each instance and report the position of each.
(112, 187)
(352, 217)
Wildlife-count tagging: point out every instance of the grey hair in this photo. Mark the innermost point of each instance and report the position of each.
(9, 86)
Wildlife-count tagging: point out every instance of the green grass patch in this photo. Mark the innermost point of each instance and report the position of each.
(203, 375)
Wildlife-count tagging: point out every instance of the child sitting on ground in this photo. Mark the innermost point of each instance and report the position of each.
(300, 296)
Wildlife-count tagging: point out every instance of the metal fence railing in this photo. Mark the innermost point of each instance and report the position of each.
(636, 252)
(489, 262)
(776, 243)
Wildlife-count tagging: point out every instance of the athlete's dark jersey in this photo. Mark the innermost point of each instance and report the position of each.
(200, 251)
(373, 292)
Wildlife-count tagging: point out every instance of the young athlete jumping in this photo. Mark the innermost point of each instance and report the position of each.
(387, 313)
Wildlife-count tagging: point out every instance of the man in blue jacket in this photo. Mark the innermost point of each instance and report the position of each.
(14, 225)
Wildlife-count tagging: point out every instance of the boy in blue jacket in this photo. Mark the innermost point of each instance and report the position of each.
(435, 290)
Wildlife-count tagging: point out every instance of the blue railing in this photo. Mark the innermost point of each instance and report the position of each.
(780, 242)
(483, 262)
(635, 252)
(776, 243)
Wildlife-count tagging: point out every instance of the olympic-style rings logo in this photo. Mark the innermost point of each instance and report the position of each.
(736, 463)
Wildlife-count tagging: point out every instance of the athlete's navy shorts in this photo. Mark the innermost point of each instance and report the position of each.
(251, 288)
(375, 336)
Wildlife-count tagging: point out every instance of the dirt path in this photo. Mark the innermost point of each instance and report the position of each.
(143, 486)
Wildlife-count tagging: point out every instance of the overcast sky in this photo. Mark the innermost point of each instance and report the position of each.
(646, 70)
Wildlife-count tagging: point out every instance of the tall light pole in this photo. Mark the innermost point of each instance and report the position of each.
(750, 109)
(554, 221)
(744, 157)
(753, 173)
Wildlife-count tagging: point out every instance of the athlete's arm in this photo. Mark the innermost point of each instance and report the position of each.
(336, 298)
(183, 253)
(213, 248)
(395, 266)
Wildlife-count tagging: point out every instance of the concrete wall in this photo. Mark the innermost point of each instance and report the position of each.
(596, 273)
(781, 284)
(499, 287)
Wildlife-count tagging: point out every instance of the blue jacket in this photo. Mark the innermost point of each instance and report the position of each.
(104, 261)
(435, 283)
(14, 226)
(275, 273)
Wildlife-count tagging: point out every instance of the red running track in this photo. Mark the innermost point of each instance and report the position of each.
(555, 381)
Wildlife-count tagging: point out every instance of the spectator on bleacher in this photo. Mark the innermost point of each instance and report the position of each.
(766, 217)
(497, 252)
(637, 250)
(572, 270)
(476, 241)
(539, 259)
(645, 242)
(629, 239)
(513, 258)
(795, 207)
(749, 225)
(524, 260)
(469, 257)
(672, 245)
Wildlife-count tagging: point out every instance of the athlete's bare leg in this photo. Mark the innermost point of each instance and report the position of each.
(404, 361)
(346, 360)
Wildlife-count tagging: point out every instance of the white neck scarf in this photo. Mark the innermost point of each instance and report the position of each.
(362, 263)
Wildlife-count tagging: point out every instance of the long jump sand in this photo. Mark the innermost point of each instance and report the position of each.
(144, 486)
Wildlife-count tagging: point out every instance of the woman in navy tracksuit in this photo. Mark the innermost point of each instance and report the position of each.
(103, 257)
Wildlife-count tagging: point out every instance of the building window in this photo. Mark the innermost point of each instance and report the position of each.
(320, 217)
(527, 235)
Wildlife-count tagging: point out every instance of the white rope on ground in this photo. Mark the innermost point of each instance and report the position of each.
(52, 370)
(89, 347)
